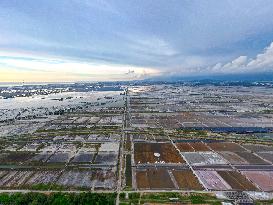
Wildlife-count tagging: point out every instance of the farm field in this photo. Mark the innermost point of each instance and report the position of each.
(201, 139)
(233, 158)
(203, 158)
(266, 155)
(236, 180)
(186, 180)
(226, 146)
(251, 158)
(212, 180)
(258, 148)
(264, 179)
(199, 146)
(43, 177)
(156, 152)
(184, 147)
(152, 179)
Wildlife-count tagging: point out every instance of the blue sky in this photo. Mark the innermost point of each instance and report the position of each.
(70, 40)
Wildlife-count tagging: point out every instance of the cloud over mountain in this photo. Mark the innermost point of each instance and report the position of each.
(262, 62)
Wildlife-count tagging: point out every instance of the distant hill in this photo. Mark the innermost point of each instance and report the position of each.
(249, 77)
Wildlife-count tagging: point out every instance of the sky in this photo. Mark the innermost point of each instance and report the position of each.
(109, 40)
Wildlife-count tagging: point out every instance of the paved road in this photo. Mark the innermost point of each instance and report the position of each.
(119, 184)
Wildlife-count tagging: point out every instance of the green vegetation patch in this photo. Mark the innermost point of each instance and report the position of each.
(58, 199)
(128, 171)
(169, 197)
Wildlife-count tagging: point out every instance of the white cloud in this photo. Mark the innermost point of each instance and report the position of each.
(147, 44)
(100, 5)
(262, 62)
